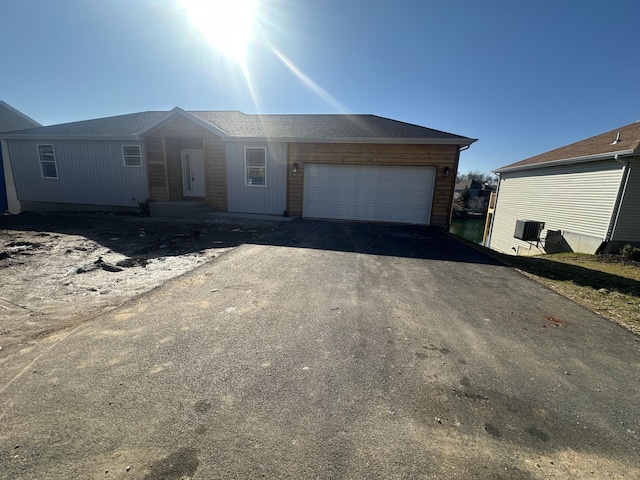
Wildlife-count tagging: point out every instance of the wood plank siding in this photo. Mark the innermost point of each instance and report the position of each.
(158, 187)
(215, 171)
(578, 199)
(165, 169)
(439, 156)
(628, 224)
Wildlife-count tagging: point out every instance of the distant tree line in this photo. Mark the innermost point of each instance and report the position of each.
(488, 178)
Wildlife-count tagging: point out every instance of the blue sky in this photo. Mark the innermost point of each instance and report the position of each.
(521, 76)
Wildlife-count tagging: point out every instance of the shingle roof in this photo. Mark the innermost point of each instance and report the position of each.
(108, 126)
(469, 183)
(236, 124)
(605, 143)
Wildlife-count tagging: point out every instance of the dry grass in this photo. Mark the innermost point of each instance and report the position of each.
(603, 284)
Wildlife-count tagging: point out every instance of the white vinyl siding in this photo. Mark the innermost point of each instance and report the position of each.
(47, 161)
(628, 225)
(369, 193)
(132, 155)
(577, 198)
(255, 167)
(270, 199)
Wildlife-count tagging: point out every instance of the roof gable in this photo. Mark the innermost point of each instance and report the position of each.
(622, 141)
(172, 114)
(12, 119)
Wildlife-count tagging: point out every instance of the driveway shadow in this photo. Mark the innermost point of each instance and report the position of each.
(130, 235)
(397, 240)
(140, 237)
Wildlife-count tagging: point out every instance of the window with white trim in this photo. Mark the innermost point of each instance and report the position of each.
(47, 161)
(255, 167)
(132, 155)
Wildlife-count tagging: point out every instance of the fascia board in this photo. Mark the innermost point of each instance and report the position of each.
(567, 161)
(362, 140)
(53, 137)
(392, 141)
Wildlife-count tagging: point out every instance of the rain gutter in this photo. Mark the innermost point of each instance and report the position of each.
(568, 161)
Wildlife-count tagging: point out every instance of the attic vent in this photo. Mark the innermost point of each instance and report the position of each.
(528, 230)
(616, 140)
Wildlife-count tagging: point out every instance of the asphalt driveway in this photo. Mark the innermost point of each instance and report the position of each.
(333, 350)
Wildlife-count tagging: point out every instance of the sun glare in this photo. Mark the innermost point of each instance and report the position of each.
(228, 25)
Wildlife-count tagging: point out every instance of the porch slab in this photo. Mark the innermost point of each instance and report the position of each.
(196, 209)
(186, 209)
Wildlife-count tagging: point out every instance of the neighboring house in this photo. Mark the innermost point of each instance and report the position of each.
(479, 194)
(587, 194)
(475, 188)
(356, 167)
(470, 184)
(10, 119)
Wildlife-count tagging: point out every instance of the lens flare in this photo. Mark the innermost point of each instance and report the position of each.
(227, 25)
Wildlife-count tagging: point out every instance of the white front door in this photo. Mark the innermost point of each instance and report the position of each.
(192, 173)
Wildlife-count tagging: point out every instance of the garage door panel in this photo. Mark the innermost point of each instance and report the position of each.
(350, 192)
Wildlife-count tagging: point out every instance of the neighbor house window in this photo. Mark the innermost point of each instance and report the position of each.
(47, 161)
(132, 155)
(255, 166)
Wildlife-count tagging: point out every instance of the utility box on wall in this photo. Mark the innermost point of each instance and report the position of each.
(528, 230)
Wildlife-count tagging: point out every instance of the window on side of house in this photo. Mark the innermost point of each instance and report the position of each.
(47, 161)
(255, 167)
(132, 155)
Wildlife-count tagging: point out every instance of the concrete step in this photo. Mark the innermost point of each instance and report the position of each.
(202, 210)
(186, 209)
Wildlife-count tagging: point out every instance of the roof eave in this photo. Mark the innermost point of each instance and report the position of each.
(378, 140)
(568, 161)
(66, 136)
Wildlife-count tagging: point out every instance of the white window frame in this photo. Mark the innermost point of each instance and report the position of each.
(47, 161)
(247, 181)
(125, 156)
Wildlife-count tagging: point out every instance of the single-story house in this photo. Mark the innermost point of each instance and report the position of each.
(584, 197)
(10, 119)
(356, 167)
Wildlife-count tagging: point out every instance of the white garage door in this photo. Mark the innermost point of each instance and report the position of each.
(382, 194)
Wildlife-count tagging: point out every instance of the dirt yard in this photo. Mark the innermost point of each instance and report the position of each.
(59, 269)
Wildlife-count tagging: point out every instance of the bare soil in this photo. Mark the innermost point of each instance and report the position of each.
(59, 269)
